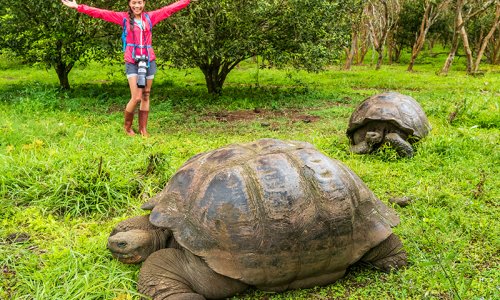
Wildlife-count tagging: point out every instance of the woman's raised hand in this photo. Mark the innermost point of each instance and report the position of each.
(70, 3)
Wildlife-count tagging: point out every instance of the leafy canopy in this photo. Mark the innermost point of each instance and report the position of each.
(215, 35)
(48, 33)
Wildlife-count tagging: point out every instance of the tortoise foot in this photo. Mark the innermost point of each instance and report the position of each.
(403, 148)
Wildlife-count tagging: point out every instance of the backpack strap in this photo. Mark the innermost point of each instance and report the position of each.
(150, 29)
(149, 21)
(124, 33)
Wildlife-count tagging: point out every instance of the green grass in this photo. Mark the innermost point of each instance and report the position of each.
(68, 174)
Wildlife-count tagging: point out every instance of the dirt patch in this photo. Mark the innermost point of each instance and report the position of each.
(263, 115)
(267, 117)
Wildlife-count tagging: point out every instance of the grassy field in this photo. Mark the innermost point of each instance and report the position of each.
(68, 173)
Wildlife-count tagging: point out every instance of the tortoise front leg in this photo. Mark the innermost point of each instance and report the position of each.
(365, 140)
(361, 148)
(177, 274)
(402, 147)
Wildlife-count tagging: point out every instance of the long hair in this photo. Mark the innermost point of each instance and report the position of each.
(131, 20)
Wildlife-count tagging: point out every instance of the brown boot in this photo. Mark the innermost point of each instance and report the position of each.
(143, 122)
(129, 119)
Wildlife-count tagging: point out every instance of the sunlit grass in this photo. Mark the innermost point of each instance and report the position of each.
(68, 174)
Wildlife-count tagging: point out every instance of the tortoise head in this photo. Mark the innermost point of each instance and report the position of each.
(134, 239)
(373, 137)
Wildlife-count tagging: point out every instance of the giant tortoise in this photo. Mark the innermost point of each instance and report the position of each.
(388, 118)
(270, 214)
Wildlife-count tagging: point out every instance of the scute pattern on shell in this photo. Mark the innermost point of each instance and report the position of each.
(401, 110)
(271, 211)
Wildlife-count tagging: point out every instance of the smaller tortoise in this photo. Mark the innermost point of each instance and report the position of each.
(271, 214)
(388, 118)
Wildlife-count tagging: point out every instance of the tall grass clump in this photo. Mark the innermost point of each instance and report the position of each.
(53, 158)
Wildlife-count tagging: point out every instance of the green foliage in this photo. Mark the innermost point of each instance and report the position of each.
(409, 23)
(48, 33)
(410, 20)
(216, 35)
(68, 173)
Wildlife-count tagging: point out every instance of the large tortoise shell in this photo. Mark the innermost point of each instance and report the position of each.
(401, 110)
(271, 211)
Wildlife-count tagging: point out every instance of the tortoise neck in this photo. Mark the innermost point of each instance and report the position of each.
(159, 240)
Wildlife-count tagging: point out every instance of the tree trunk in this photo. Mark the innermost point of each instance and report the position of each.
(496, 23)
(454, 42)
(495, 55)
(460, 29)
(420, 40)
(451, 54)
(430, 45)
(350, 53)
(379, 34)
(396, 54)
(431, 13)
(363, 50)
(214, 81)
(363, 42)
(390, 49)
(215, 74)
(465, 42)
(380, 51)
(62, 71)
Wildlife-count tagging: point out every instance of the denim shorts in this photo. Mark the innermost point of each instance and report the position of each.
(131, 70)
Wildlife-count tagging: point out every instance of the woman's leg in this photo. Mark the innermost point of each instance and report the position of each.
(144, 108)
(135, 97)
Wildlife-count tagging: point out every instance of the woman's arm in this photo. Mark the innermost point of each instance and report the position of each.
(106, 15)
(160, 14)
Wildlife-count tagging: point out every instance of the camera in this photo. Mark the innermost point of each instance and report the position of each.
(142, 67)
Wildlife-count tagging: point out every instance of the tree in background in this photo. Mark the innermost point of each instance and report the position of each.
(432, 10)
(355, 15)
(483, 29)
(216, 35)
(382, 16)
(45, 32)
(408, 22)
(465, 10)
(492, 51)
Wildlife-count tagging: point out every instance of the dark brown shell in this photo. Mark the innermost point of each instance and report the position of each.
(401, 110)
(271, 211)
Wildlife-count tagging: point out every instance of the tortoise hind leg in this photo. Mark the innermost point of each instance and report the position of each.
(397, 142)
(388, 255)
(176, 274)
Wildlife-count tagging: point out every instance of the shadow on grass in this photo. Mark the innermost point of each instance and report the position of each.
(112, 97)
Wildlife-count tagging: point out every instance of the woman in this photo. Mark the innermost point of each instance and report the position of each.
(137, 42)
